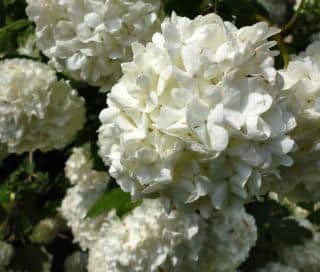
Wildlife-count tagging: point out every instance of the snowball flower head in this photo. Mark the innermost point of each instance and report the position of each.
(197, 117)
(229, 240)
(89, 186)
(90, 38)
(37, 111)
(303, 257)
(151, 240)
(6, 253)
(302, 87)
(147, 240)
(277, 267)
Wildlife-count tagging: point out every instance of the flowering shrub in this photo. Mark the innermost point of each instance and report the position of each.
(159, 136)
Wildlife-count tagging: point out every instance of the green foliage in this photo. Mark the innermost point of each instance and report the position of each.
(9, 35)
(114, 199)
(31, 258)
(23, 201)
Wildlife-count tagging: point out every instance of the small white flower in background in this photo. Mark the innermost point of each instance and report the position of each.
(37, 111)
(89, 39)
(76, 262)
(89, 185)
(197, 116)
(151, 240)
(6, 253)
(277, 267)
(29, 47)
(46, 230)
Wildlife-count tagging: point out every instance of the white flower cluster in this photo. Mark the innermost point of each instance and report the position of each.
(304, 257)
(277, 267)
(90, 38)
(203, 96)
(302, 85)
(37, 111)
(151, 240)
(89, 185)
(229, 240)
(147, 240)
(6, 253)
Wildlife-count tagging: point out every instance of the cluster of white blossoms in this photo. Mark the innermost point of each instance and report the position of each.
(147, 240)
(89, 185)
(229, 240)
(37, 111)
(305, 257)
(277, 267)
(151, 240)
(6, 253)
(302, 88)
(90, 38)
(198, 115)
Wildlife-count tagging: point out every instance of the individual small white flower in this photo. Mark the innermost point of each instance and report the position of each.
(277, 267)
(37, 111)
(76, 262)
(148, 240)
(89, 186)
(46, 230)
(6, 253)
(29, 47)
(89, 39)
(197, 116)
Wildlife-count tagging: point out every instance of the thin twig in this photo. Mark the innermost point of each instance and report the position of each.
(294, 17)
(216, 6)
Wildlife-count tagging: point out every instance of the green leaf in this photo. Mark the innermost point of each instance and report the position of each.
(9, 33)
(114, 199)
